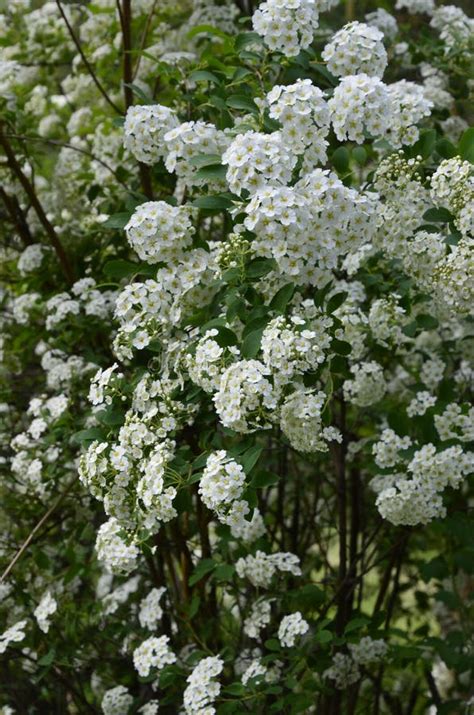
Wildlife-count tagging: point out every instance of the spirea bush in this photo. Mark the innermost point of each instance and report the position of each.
(237, 442)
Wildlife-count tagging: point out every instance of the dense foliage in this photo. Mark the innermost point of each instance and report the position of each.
(237, 357)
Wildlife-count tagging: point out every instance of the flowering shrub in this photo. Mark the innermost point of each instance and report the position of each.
(237, 357)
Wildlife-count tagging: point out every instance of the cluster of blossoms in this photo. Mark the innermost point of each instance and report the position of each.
(367, 386)
(144, 131)
(116, 701)
(345, 668)
(416, 497)
(203, 688)
(158, 232)
(452, 187)
(261, 568)
(86, 299)
(356, 48)
(255, 160)
(189, 140)
(303, 113)
(306, 228)
(153, 654)
(290, 627)
(288, 27)
(14, 634)
(46, 607)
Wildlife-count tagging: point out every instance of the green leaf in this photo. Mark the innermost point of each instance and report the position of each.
(225, 336)
(445, 149)
(120, 268)
(340, 159)
(425, 145)
(240, 101)
(48, 658)
(224, 572)
(250, 458)
(264, 479)
(138, 91)
(340, 347)
(360, 155)
(204, 160)
(336, 301)
(466, 145)
(356, 624)
(245, 39)
(251, 344)
(204, 567)
(426, 322)
(218, 203)
(260, 267)
(117, 220)
(207, 30)
(88, 435)
(438, 215)
(214, 172)
(204, 76)
(281, 299)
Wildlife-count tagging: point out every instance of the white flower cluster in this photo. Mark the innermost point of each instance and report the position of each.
(365, 104)
(454, 278)
(209, 359)
(290, 627)
(410, 104)
(246, 396)
(188, 140)
(117, 556)
(420, 403)
(144, 131)
(301, 421)
(222, 481)
(288, 26)
(292, 347)
(303, 114)
(360, 103)
(418, 500)
(261, 568)
(452, 186)
(456, 422)
(150, 611)
(116, 701)
(104, 385)
(85, 298)
(455, 27)
(153, 654)
(159, 232)
(307, 227)
(14, 634)
(46, 607)
(31, 258)
(259, 617)
(255, 160)
(202, 688)
(147, 310)
(386, 318)
(345, 668)
(384, 21)
(354, 49)
(416, 6)
(386, 450)
(368, 385)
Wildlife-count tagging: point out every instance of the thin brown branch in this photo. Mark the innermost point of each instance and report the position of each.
(85, 60)
(40, 212)
(37, 528)
(17, 217)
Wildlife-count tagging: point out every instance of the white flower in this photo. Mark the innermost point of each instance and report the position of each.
(154, 653)
(291, 626)
(116, 701)
(47, 606)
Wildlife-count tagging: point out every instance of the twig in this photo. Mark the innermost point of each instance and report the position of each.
(38, 526)
(17, 217)
(30, 191)
(85, 60)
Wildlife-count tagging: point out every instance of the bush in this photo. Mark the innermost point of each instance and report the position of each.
(237, 342)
